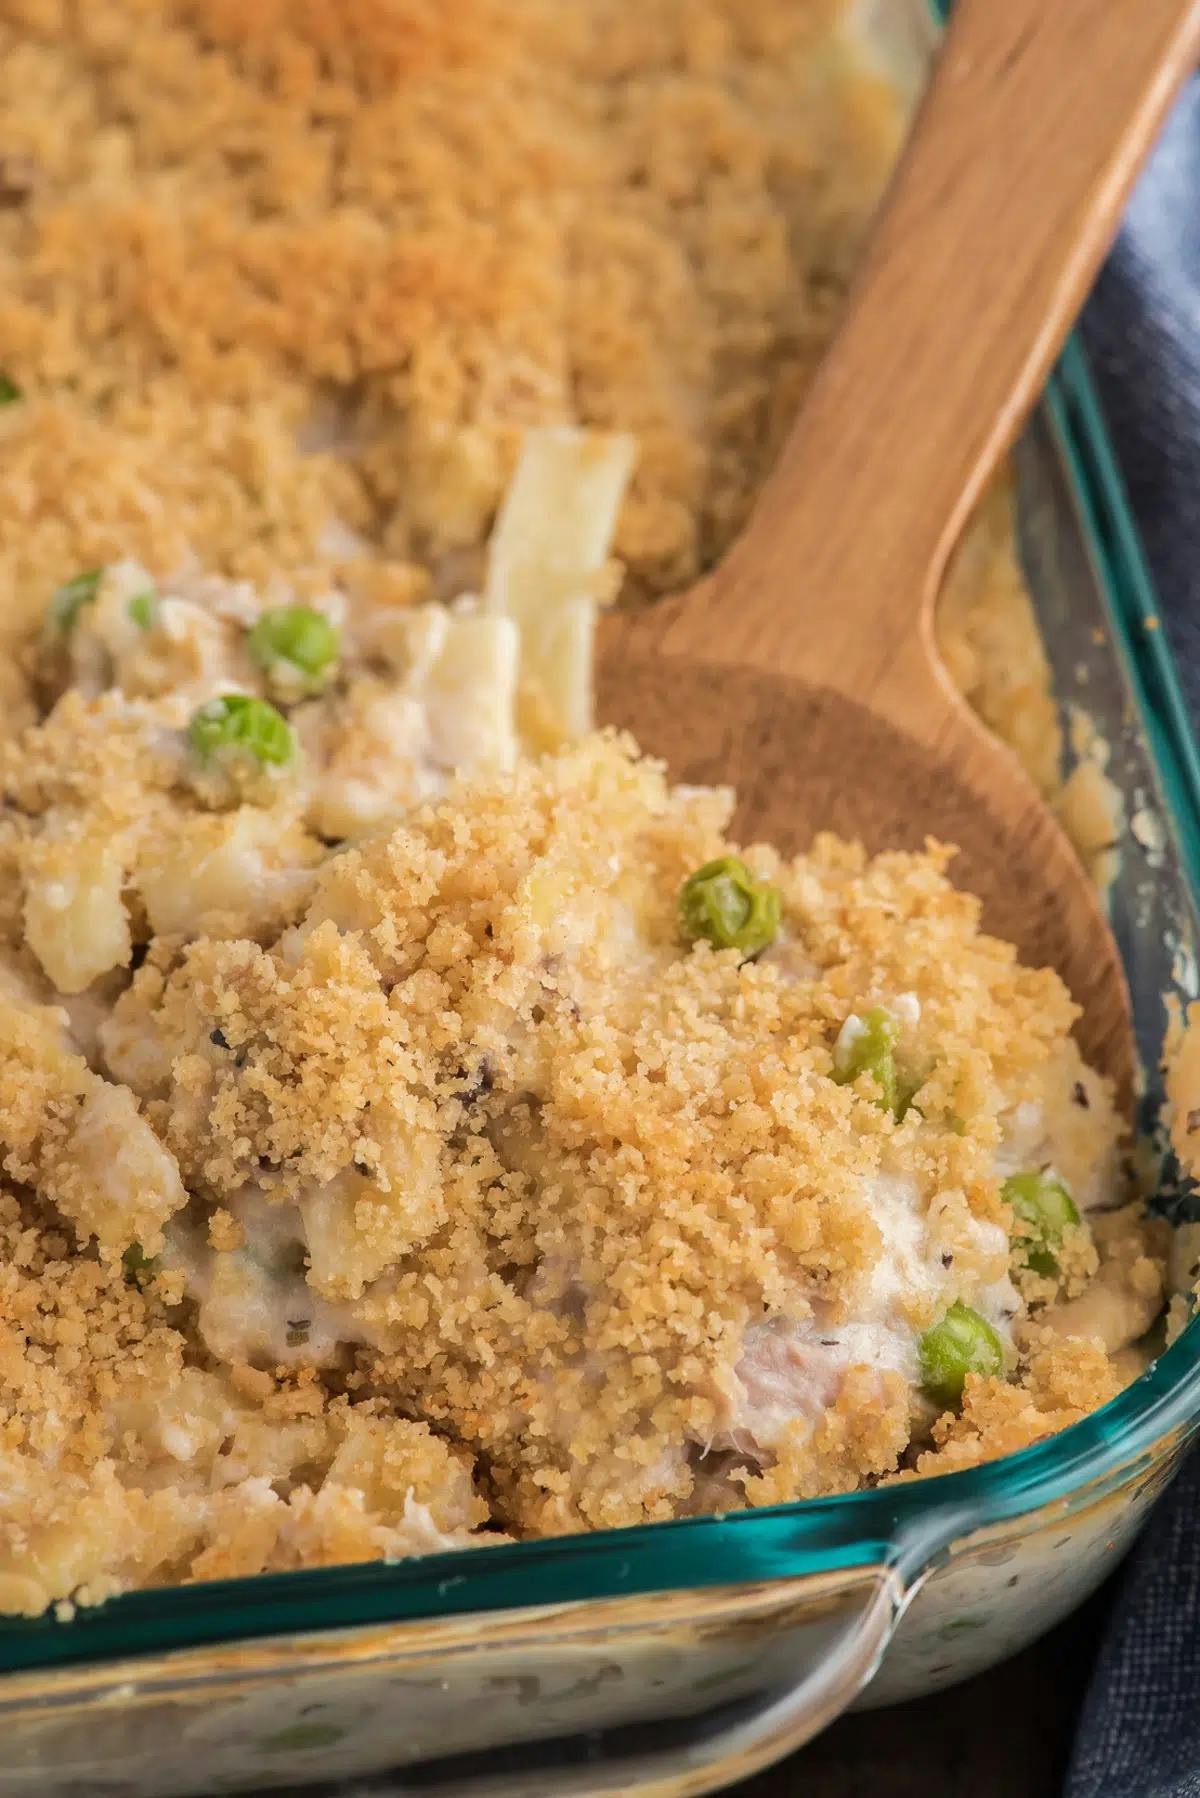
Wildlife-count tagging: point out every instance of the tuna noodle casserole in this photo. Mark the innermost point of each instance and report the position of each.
(419, 1123)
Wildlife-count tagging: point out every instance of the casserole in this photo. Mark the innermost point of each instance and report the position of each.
(733, 1638)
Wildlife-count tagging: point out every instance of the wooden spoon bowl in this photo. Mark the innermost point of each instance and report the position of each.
(814, 759)
(803, 670)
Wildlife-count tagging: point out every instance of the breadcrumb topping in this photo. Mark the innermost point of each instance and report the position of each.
(1062, 1381)
(276, 298)
(381, 1170)
(276, 294)
(479, 1165)
(106, 1484)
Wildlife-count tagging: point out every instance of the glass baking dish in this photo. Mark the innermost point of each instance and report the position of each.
(676, 1658)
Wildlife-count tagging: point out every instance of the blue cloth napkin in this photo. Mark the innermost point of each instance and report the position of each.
(1139, 1730)
(1142, 331)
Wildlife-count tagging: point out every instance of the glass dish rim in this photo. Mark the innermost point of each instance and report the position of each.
(889, 1525)
(898, 1525)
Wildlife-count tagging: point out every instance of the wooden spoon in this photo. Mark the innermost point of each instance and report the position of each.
(803, 670)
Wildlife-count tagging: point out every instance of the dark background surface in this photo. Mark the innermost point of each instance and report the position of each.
(1005, 1734)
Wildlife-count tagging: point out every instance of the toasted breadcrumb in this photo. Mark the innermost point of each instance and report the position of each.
(1062, 1382)
(364, 1203)
(479, 1143)
(1126, 1294)
(204, 1487)
(276, 297)
(80, 1139)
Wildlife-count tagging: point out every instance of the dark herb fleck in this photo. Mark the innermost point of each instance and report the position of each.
(947, 1258)
(1079, 1094)
(10, 393)
(479, 1084)
(219, 1038)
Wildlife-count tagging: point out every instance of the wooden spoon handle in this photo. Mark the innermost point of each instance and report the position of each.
(1009, 191)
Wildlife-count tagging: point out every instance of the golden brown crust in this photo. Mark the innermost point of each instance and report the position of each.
(696, 1088)
(309, 352)
(163, 1471)
(552, 1174)
(191, 274)
(1064, 1379)
(509, 1157)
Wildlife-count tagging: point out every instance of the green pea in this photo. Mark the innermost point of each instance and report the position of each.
(871, 1049)
(1043, 1210)
(140, 1268)
(301, 638)
(143, 609)
(239, 727)
(962, 1343)
(68, 601)
(729, 907)
(10, 393)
